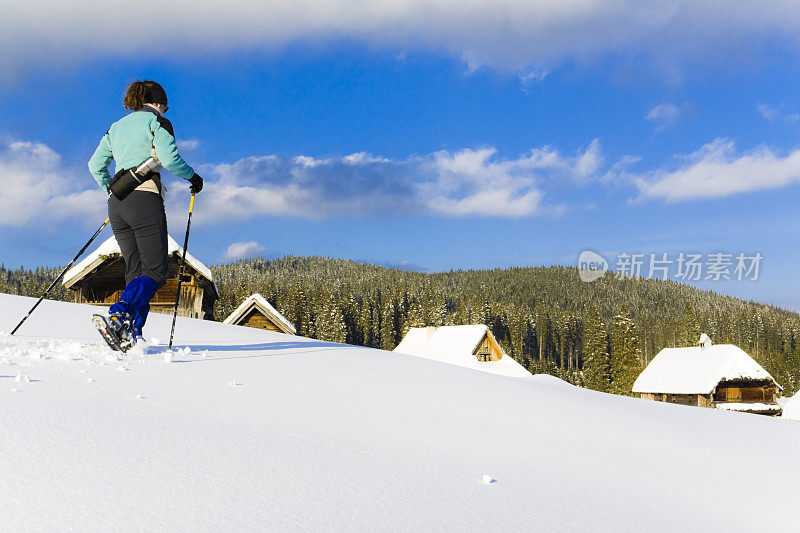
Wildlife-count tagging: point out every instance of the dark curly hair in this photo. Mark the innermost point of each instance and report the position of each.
(143, 92)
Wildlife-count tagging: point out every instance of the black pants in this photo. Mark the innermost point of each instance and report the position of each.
(140, 227)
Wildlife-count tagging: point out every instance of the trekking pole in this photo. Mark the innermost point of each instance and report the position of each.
(50, 288)
(180, 272)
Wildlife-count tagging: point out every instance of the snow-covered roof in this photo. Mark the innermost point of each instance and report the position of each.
(696, 370)
(791, 409)
(456, 345)
(259, 302)
(111, 247)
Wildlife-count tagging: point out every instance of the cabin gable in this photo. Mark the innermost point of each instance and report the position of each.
(256, 319)
(488, 349)
(257, 312)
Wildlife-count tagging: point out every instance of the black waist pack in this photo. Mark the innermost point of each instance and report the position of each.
(125, 181)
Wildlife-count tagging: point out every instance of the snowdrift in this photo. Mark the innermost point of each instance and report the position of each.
(254, 430)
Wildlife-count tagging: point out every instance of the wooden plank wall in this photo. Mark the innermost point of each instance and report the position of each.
(680, 399)
(256, 319)
(488, 350)
(745, 393)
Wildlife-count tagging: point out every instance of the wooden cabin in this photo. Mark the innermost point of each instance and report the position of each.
(257, 312)
(99, 279)
(720, 376)
(472, 346)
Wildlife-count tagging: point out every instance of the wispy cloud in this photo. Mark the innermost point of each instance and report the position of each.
(36, 188)
(778, 114)
(241, 250)
(529, 80)
(664, 115)
(188, 144)
(509, 34)
(717, 170)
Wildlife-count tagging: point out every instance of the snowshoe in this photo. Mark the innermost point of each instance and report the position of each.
(115, 330)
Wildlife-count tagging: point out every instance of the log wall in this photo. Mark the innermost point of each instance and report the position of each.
(256, 319)
(488, 350)
(698, 400)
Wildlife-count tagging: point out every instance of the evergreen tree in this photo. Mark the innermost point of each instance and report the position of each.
(388, 326)
(415, 317)
(624, 351)
(596, 361)
(330, 324)
(690, 329)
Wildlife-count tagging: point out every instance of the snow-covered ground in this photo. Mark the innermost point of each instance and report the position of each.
(254, 430)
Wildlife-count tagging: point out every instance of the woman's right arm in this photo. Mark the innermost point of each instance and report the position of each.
(100, 161)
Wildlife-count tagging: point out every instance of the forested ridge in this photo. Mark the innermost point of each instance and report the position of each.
(598, 334)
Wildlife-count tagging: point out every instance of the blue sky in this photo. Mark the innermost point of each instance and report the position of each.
(430, 136)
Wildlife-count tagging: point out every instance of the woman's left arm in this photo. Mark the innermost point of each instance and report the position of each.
(167, 150)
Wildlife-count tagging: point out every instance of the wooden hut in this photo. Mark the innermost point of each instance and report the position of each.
(99, 279)
(471, 346)
(721, 376)
(257, 312)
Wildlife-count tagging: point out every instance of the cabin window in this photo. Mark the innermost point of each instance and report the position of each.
(485, 352)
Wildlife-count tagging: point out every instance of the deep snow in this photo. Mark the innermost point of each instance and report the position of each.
(254, 430)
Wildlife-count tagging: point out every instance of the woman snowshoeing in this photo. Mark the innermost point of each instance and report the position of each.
(136, 203)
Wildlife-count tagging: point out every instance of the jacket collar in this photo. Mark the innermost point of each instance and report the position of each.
(150, 109)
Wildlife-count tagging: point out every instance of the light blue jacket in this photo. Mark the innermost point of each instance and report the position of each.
(129, 141)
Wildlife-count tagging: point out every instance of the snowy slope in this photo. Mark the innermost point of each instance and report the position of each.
(318, 436)
(791, 408)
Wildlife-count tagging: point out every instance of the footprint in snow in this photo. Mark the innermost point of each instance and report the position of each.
(489, 479)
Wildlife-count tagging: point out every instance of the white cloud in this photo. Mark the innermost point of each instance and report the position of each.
(778, 114)
(530, 79)
(716, 170)
(36, 188)
(589, 162)
(188, 144)
(241, 250)
(768, 112)
(468, 182)
(664, 115)
(511, 34)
